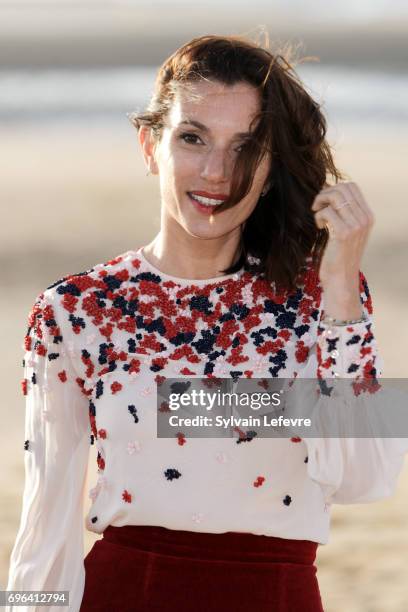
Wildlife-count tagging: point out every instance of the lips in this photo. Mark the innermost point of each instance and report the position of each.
(207, 194)
(205, 202)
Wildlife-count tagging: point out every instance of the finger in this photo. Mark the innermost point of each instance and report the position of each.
(359, 213)
(323, 199)
(350, 212)
(337, 226)
(349, 216)
(362, 203)
(351, 190)
(332, 195)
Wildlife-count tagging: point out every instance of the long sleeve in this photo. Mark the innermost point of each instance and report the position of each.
(351, 469)
(349, 351)
(48, 551)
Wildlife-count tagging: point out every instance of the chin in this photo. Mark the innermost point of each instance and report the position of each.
(198, 230)
(205, 228)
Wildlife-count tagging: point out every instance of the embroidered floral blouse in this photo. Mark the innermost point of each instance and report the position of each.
(97, 344)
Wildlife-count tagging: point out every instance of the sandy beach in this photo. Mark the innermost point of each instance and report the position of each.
(76, 196)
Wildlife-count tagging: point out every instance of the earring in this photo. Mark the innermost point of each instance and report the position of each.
(266, 188)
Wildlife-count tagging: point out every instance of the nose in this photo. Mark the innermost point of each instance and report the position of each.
(215, 167)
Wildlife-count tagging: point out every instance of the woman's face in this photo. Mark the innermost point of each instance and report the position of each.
(195, 156)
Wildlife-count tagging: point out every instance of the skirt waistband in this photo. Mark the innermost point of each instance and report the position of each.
(227, 546)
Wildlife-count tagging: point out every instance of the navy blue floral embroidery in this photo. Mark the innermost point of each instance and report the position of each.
(172, 473)
(133, 412)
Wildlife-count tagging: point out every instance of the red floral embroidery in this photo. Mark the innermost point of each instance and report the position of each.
(186, 371)
(62, 376)
(41, 350)
(259, 481)
(164, 407)
(115, 387)
(285, 334)
(181, 439)
(302, 352)
(126, 496)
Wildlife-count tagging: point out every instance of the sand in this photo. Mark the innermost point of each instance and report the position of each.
(77, 195)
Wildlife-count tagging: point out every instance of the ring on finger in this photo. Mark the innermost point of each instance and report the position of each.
(345, 203)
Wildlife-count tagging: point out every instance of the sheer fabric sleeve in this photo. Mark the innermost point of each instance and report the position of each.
(351, 469)
(48, 550)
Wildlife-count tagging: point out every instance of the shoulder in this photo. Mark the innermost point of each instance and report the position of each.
(102, 277)
(79, 295)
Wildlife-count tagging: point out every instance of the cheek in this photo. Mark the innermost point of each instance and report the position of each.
(176, 177)
(182, 173)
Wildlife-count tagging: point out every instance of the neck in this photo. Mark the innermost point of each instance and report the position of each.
(192, 257)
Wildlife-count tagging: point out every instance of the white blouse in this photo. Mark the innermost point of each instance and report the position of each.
(97, 345)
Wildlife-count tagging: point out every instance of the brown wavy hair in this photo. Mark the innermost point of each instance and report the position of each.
(281, 233)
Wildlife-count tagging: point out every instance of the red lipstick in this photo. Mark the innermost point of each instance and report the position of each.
(213, 196)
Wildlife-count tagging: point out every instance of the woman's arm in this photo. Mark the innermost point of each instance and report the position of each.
(48, 551)
(344, 351)
(349, 469)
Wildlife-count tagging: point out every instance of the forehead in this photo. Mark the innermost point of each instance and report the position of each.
(215, 104)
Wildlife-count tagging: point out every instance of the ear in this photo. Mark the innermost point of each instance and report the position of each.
(148, 145)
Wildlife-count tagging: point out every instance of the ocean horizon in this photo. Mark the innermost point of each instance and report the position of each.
(76, 95)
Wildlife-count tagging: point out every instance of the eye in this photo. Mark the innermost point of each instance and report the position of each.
(190, 138)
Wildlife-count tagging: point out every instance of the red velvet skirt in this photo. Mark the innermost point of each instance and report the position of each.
(149, 569)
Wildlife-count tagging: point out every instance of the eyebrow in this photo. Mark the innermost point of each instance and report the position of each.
(204, 128)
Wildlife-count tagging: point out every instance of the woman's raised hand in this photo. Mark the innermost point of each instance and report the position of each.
(343, 209)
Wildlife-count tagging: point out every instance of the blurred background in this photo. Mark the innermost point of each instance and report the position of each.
(74, 193)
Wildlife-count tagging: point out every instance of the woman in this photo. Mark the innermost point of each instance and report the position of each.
(252, 240)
